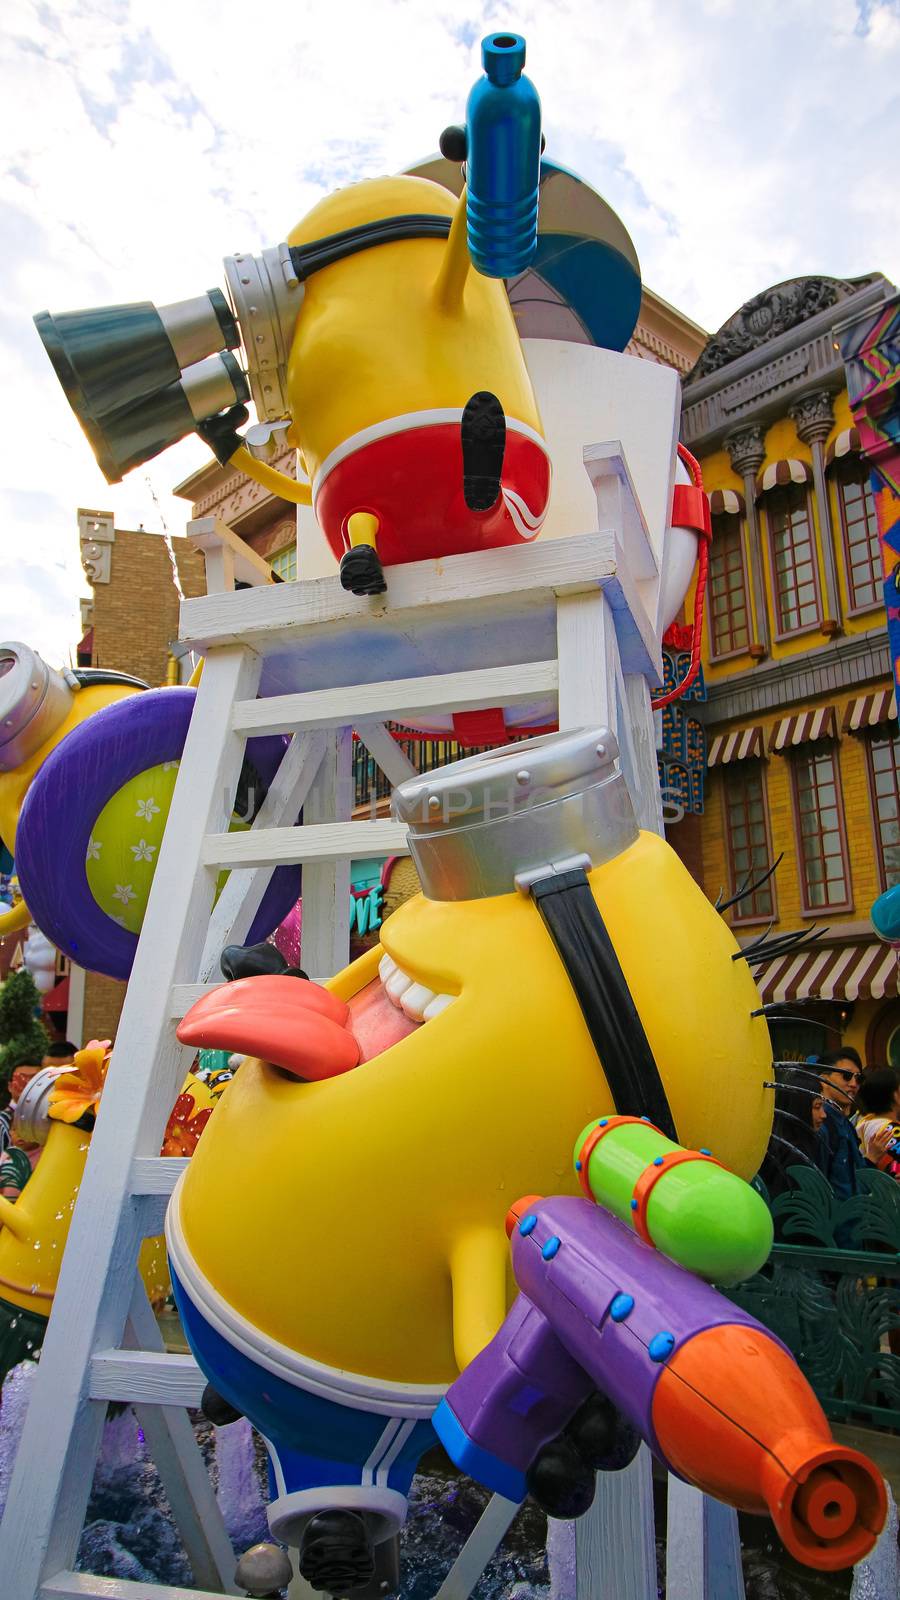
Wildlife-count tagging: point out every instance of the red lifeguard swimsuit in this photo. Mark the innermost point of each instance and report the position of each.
(408, 473)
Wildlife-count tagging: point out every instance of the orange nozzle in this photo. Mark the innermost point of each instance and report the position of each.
(520, 1209)
(828, 1503)
(734, 1415)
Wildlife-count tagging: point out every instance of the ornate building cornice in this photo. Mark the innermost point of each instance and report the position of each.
(759, 384)
(772, 313)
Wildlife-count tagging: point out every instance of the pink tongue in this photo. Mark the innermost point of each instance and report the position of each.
(375, 1022)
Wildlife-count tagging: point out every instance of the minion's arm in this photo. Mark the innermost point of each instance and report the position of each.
(451, 280)
(220, 433)
(11, 1220)
(299, 494)
(16, 919)
(478, 1264)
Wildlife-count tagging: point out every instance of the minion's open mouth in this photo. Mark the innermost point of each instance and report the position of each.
(413, 999)
(304, 1029)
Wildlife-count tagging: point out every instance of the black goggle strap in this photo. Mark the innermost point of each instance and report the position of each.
(307, 258)
(575, 924)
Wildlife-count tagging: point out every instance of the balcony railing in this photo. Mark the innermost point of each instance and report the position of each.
(369, 782)
(837, 1309)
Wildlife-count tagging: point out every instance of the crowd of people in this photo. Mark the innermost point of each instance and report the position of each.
(833, 1113)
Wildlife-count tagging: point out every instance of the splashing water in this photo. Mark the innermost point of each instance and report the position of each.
(16, 1394)
(238, 1487)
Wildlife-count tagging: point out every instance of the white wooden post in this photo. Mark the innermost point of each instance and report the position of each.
(703, 1547)
(475, 1554)
(587, 654)
(75, 1020)
(648, 797)
(615, 1544)
(325, 929)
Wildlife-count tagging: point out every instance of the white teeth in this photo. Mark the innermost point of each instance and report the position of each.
(437, 1005)
(397, 985)
(415, 1000)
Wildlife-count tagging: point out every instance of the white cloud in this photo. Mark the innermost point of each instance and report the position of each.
(145, 139)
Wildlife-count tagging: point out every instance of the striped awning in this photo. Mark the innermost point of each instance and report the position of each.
(726, 502)
(739, 746)
(870, 711)
(779, 473)
(840, 972)
(846, 443)
(803, 728)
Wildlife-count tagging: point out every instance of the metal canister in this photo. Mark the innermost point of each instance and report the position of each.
(32, 1120)
(34, 700)
(482, 826)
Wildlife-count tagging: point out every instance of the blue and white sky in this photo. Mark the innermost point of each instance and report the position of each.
(143, 140)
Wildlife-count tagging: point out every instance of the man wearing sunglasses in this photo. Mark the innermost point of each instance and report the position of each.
(839, 1154)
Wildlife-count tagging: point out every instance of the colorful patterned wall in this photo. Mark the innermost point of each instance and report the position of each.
(870, 346)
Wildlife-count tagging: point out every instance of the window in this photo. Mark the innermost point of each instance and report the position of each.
(795, 580)
(284, 562)
(747, 834)
(884, 788)
(862, 548)
(821, 837)
(729, 608)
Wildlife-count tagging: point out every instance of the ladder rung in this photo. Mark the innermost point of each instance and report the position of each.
(397, 698)
(84, 1586)
(422, 595)
(147, 1378)
(185, 994)
(319, 841)
(156, 1174)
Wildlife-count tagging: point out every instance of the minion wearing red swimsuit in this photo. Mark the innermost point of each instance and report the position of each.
(410, 401)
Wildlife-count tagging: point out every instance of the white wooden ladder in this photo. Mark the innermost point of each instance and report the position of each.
(553, 621)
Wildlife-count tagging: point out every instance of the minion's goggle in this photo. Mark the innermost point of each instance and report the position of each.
(140, 377)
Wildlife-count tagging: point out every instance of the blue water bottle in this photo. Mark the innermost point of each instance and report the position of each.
(503, 160)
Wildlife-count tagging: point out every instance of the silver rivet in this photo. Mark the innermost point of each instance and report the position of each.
(260, 338)
(253, 311)
(245, 280)
(601, 749)
(434, 803)
(523, 776)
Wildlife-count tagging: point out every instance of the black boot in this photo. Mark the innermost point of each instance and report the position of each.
(387, 1572)
(336, 1553)
(361, 571)
(216, 1409)
(483, 430)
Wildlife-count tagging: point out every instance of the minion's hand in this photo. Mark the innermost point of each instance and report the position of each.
(598, 1439)
(221, 434)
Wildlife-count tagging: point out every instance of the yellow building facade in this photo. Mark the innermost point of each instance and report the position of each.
(803, 751)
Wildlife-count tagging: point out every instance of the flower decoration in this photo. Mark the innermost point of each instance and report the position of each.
(185, 1125)
(76, 1094)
